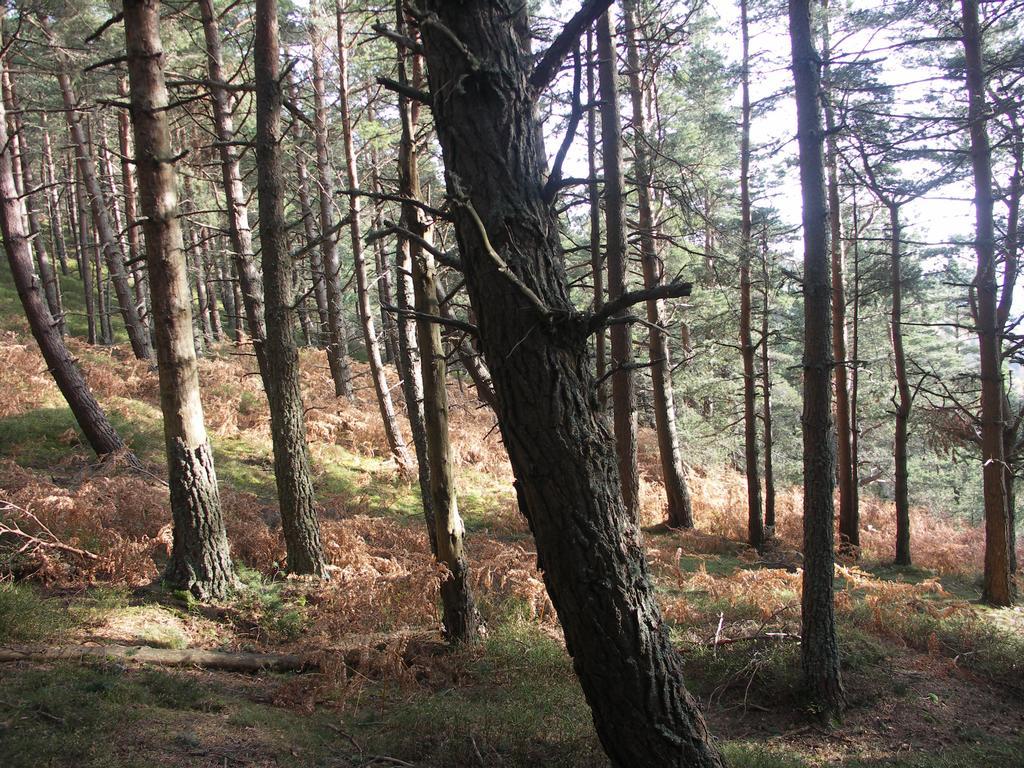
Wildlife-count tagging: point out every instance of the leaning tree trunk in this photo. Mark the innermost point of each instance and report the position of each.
(849, 514)
(51, 286)
(819, 647)
(237, 210)
(755, 523)
(903, 401)
(138, 333)
(200, 559)
(538, 353)
(337, 348)
(680, 511)
(623, 381)
(998, 586)
(102, 437)
(287, 422)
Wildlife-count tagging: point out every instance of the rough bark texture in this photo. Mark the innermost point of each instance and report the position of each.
(561, 453)
(849, 513)
(138, 333)
(680, 511)
(102, 437)
(287, 422)
(819, 647)
(239, 232)
(200, 560)
(623, 382)
(755, 523)
(998, 586)
(396, 443)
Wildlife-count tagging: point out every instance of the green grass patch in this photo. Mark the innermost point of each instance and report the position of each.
(987, 753)
(744, 754)
(28, 616)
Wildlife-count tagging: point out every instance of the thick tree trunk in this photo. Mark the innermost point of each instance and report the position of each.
(755, 523)
(998, 586)
(396, 443)
(849, 513)
(819, 647)
(680, 511)
(200, 559)
(561, 453)
(102, 437)
(291, 454)
(337, 348)
(138, 333)
(623, 381)
(239, 232)
(903, 400)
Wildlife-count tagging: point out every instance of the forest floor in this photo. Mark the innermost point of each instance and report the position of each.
(933, 678)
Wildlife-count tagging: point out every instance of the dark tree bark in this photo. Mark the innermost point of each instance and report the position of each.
(623, 382)
(138, 333)
(200, 559)
(337, 349)
(819, 647)
(755, 522)
(291, 453)
(680, 511)
(849, 512)
(998, 586)
(766, 393)
(561, 453)
(396, 443)
(904, 399)
(102, 437)
(239, 232)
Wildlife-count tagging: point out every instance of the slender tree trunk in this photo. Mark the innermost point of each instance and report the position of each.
(849, 514)
(562, 456)
(53, 201)
(131, 207)
(337, 348)
(80, 224)
(291, 454)
(51, 286)
(214, 272)
(200, 559)
(138, 333)
(623, 381)
(316, 264)
(998, 586)
(461, 620)
(680, 511)
(102, 437)
(903, 400)
(854, 353)
(755, 523)
(239, 232)
(377, 373)
(597, 265)
(819, 647)
(382, 274)
(766, 394)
